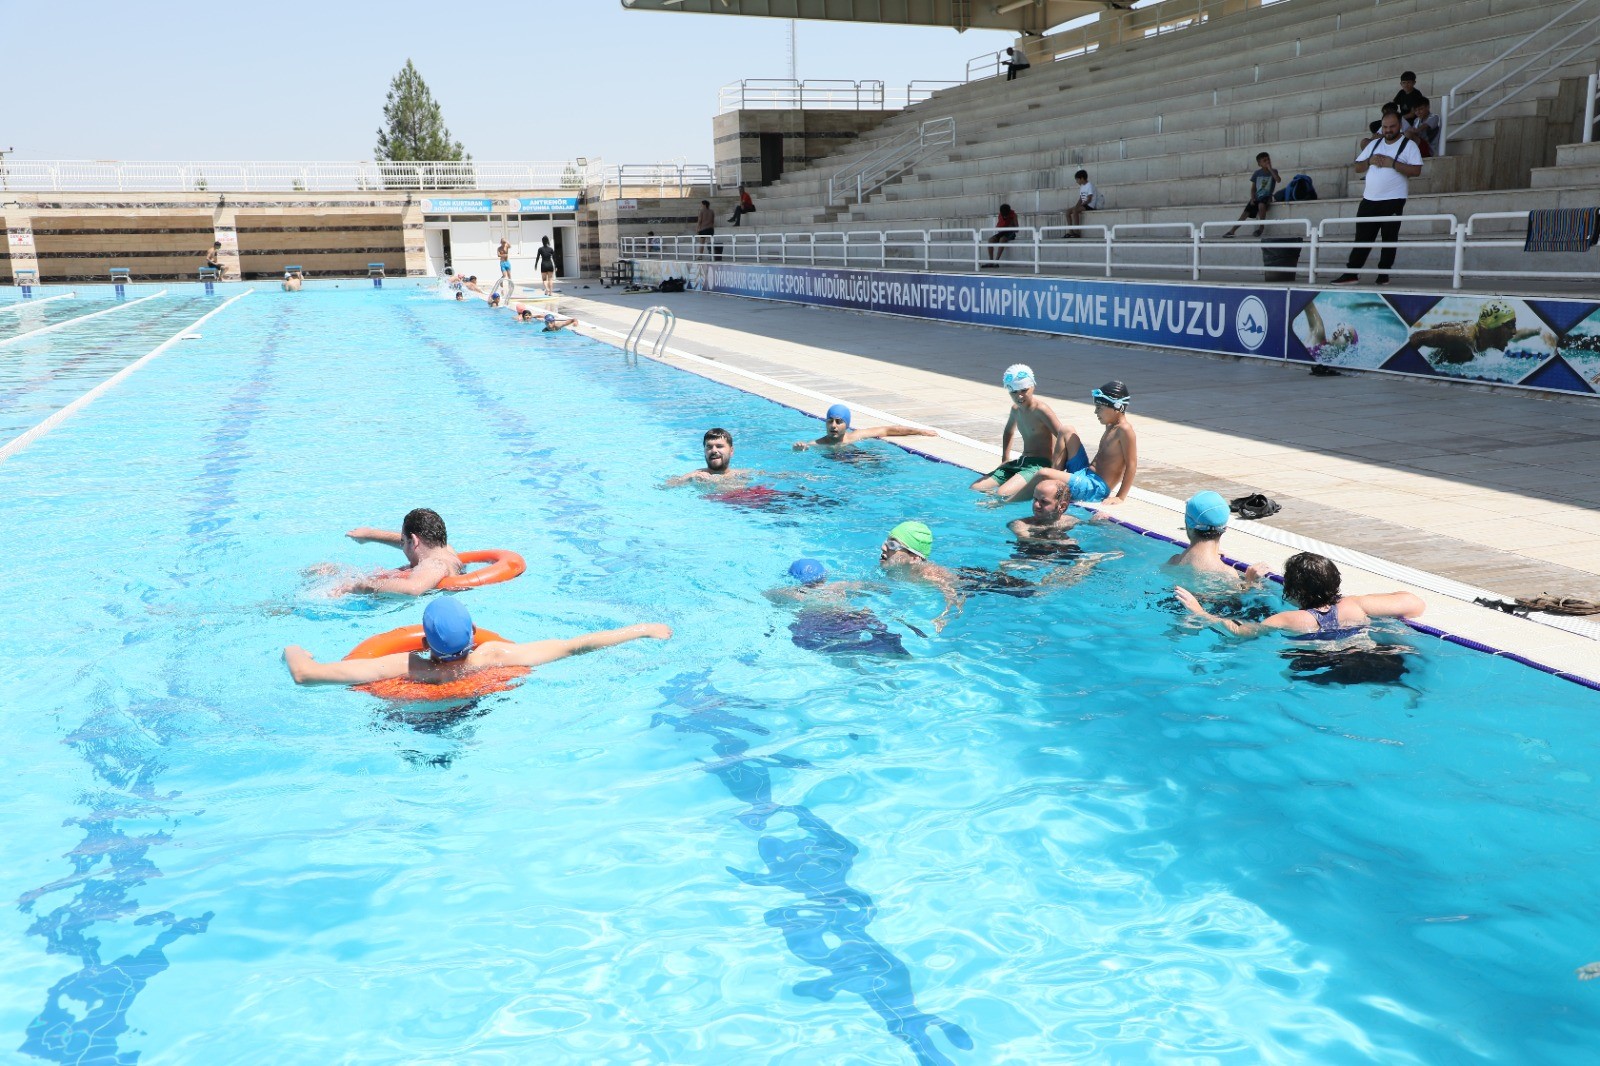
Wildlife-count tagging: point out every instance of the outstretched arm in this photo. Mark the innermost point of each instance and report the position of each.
(876, 432)
(1391, 605)
(1238, 629)
(539, 652)
(368, 535)
(307, 671)
(1314, 326)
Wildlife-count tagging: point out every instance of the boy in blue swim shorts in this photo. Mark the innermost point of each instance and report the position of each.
(1117, 460)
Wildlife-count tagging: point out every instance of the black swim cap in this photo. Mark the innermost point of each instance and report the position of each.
(1112, 394)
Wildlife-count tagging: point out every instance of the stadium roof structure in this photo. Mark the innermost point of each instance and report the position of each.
(1018, 16)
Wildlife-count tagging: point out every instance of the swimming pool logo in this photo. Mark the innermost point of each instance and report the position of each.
(1250, 322)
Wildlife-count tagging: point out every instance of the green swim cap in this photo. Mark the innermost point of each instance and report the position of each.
(916, 536)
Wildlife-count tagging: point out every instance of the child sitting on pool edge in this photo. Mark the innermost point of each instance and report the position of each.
(1116, 461)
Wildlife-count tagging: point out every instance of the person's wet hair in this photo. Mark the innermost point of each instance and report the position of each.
(1310, 581)
(426, 525)
(715, 434)
(1206, 534)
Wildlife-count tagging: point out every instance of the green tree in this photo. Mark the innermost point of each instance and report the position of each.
(413, 127)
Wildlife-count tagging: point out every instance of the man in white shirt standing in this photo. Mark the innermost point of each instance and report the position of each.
(1388, 162)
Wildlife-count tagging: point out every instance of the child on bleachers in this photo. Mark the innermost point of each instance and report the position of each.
(1088, 200)
(1262, 184)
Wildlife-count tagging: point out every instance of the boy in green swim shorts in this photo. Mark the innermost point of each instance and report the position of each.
(1047, 442)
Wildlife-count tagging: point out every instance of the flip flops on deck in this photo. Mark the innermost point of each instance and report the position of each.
(1257, 506)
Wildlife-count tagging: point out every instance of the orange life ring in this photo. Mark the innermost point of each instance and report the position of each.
(409, 639)
(503, 566)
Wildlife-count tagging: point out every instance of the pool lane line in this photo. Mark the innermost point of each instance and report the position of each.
(31, 435)
(81, 318)
(1434, 583)
(18, 305)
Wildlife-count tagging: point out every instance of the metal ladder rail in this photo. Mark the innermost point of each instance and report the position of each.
(669, 323)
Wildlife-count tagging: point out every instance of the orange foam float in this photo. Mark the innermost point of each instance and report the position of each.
(409, 639)
(503, 566)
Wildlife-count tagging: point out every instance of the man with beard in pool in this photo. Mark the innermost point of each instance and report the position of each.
(718, 446)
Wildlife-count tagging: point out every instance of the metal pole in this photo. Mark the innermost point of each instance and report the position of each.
(1588, 110)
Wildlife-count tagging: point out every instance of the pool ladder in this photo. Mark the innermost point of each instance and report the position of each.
(641, 326)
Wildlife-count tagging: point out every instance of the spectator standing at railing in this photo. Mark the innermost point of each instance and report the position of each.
(743, 207)
(705, 227)
(1388, 163)
(1016, 61)
(1006, 225)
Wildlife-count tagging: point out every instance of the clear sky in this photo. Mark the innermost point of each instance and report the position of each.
(542, 79)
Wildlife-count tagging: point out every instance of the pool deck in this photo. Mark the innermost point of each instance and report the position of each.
(1489, 488)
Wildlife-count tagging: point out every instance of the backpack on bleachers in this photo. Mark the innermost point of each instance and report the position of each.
(1299, 188)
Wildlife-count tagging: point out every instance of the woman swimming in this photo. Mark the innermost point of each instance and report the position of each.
(1311, 582)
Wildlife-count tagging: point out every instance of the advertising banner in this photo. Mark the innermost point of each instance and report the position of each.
(1222, 319)
(1502, 340)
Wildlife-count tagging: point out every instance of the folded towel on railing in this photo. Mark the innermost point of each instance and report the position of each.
(1564, 229)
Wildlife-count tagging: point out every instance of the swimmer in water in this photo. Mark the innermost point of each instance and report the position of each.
(293, 280)
(1205, 517)
(1462, 342)
(451, 654)
(1322, 346)
(1311, 582)
(1047, 442)
(905, 554)
(825, 620)
(429, 557)
(460, 295)
(718, 446)
(471, 284)
(1049, 525)
(552, 324)
(840, 434)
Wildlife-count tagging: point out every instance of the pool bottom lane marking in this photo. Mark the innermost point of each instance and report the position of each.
(827, 929)
(29, 436)
(113, 309)
(21, 305)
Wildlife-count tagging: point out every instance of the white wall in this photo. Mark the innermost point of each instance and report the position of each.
(474, 241)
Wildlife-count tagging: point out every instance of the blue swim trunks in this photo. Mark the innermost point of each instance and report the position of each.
(505, 266)
(1079, 460)
(1087, 487)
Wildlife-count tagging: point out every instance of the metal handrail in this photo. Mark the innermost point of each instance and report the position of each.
(1120, 247)
(1453, 110)
(786, 94)
(111, 175)
(680, 178)
(1107, 29)
(867, 175)
(669, 323)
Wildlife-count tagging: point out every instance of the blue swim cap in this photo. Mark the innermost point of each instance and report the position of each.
(447, 627)
(1205, 511)
(549, 318)
(807, 571)
(839, 410)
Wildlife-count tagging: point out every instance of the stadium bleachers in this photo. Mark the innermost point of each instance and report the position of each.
(1168, 127)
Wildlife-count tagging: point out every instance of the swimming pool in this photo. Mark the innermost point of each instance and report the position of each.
(1067, 828)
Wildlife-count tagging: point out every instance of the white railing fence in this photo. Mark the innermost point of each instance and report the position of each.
(100, 175)
(783, 94)
(659, 179)
(1566, 38)
(1135, 249)
(862, 177)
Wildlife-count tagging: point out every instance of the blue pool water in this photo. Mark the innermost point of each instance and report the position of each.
(1068, 828)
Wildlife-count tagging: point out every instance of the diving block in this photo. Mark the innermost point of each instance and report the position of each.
(120, 275)
(210, 273)
(375, 270)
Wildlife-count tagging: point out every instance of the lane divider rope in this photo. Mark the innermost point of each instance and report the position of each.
(31, 435)
(81, 318)
(18, 305)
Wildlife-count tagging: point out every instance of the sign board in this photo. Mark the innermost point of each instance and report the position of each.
(627, 205)
(1226, 320)
(456, 205)
(547, 204)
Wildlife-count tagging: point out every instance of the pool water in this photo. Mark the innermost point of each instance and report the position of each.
(1068, 828)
